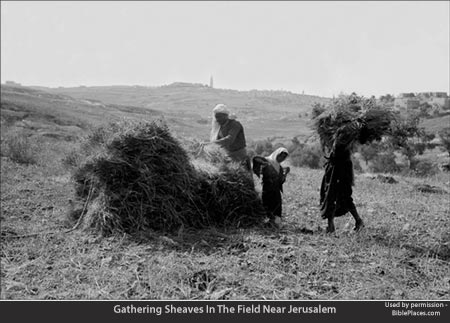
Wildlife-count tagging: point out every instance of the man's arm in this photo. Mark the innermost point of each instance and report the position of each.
(226, 141)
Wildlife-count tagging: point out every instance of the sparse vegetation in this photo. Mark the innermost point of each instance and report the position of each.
(385, 163)
(72, 158)
(369, 151)
(262, 147)
(425, 168)
(19, 148)
(310, 156)
(403, 252)
(444, 134)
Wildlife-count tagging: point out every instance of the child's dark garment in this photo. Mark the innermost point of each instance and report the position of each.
(272, 185)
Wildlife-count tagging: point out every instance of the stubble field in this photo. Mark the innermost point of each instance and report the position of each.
(403, 252)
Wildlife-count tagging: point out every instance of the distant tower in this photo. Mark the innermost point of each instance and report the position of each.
(211, 82)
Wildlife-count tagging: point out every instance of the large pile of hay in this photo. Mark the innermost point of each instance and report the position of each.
(356, 118)
(136, 176)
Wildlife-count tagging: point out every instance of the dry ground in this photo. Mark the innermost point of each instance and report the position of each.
(403, 253)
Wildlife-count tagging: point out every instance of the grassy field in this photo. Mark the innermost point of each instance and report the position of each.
(403, 252)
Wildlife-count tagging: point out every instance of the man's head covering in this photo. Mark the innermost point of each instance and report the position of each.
(221, 108)
(215, 126)
(273, 157)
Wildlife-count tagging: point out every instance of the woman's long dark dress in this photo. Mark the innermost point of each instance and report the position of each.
(336, 189)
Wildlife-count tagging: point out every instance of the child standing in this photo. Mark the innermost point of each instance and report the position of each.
(273, 177)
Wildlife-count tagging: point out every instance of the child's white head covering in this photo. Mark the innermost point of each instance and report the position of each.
(273, 157)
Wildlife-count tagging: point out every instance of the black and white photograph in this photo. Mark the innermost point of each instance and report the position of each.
(226, 151)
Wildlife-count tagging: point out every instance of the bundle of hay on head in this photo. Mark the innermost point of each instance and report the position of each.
(355, 119)
(136, 176)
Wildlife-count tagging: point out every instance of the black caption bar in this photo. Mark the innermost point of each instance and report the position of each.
(225, 311)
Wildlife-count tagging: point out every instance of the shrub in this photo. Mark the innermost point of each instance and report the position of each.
(357, 165)
(317, 109)
(264, 147)
(71, 159)
(385, 163)
(18, 147)
(98, 136)
(425, 168)
(310, 156)
(444, 134)
(202, 121)
(260, 148)
(251, 152)
(369, 151)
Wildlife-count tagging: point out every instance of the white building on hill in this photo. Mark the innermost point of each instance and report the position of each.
(411, 101)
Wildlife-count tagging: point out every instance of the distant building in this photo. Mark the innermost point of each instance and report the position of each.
(441, 100)
(406, 101)
(406, 95)
(12, 83)
(211, 82)
(411, 101)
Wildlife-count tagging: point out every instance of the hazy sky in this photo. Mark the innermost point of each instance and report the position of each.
(321, 48)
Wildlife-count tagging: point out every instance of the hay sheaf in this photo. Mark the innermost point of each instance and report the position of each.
(228, 195)
(354, 119)
(136, 176)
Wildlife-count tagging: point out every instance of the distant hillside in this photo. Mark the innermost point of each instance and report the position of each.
(188, 106)
(433, 125)
(55, 114)
(185, 107)
(195, 97)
